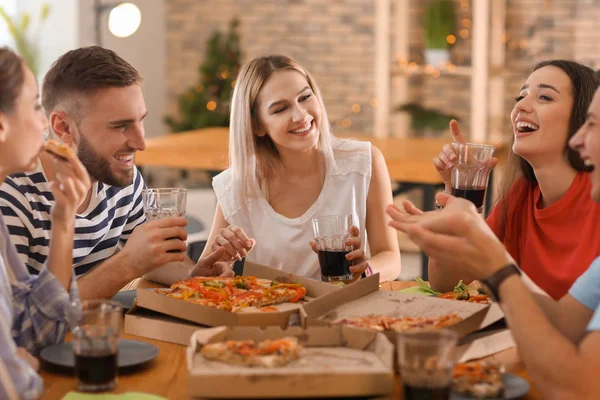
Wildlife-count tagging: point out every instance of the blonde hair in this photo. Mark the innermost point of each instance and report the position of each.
(252, 156)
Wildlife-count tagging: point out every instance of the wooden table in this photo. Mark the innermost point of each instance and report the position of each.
(167, 374)
(409, 160)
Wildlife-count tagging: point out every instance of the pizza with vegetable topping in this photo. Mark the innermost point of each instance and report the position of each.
(235, 294)
(478, 379)
(405, 324)
(248, 353)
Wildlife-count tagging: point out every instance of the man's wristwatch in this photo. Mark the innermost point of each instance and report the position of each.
(492, 283)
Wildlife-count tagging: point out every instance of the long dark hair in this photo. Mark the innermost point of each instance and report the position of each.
(12, 76)
(519, 174)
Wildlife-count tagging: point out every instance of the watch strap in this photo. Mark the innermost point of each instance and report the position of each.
(493, 282)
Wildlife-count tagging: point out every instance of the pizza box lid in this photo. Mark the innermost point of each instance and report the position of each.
(286, 314)
(363, 298)
(336, 361)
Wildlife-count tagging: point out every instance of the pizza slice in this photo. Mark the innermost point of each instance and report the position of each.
(409, 324)
(57, 149)
(472, 293)
(478, 379)
(248, 353)
(404, 324)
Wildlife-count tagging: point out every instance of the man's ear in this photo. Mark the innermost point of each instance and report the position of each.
(3, 127)
(62, 127)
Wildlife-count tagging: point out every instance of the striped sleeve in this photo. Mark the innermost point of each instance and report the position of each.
(18, 217)
(136, 216)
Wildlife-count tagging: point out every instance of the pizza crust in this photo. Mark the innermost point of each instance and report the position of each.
(58, 149)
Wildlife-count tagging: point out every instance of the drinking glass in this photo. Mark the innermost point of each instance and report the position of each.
(95, 326)
(331, 233)
(164, 203)
(426, 360)
(471, 172)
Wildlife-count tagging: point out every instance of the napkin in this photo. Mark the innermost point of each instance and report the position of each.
(103, 396)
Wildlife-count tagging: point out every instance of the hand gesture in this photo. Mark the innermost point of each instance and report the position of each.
(154, 244)
(235, 241)
(456, 237)
(69, 187)
(211, 265)
(357, 258)
(445, 161)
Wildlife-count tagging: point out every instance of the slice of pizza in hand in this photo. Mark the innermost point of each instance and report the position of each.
(478, 379)
(248, 353)
(57, 149)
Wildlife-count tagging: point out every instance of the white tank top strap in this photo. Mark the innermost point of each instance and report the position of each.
(351, 156)
(226, 194)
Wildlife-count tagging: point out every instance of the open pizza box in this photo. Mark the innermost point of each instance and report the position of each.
(335, 362)
(363, 298)
(285, 314)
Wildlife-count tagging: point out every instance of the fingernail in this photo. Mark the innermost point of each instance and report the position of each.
(248, 243)
(244, 253)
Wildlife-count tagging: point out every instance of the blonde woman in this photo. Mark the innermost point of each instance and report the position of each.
(286, 168)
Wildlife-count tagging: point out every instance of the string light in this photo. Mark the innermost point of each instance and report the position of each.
(346, 123)
(355, 108)
(464, 33)
(199, 88)
(451, 39)
(373, 103)
(211, 105)
(233, 83)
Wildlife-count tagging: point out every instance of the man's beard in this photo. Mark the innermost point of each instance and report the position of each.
(99, 167)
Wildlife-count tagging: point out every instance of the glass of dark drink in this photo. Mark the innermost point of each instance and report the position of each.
(95, 326)
(331, 233)
(471, 171)
(426, 359)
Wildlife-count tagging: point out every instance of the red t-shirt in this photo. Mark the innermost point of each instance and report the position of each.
(556, 244)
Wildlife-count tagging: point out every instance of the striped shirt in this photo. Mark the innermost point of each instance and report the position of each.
(105, 226)
(33, 314)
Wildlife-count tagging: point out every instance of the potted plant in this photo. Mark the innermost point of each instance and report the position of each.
(438, 23)
(26, 43)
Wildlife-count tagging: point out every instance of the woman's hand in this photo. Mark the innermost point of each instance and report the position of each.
(444, 162)
(235, 241)
(69, 187)
(357, 258)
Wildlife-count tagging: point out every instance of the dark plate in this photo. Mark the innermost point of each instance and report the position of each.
(125, 298)
(514, 387)
(131, 353)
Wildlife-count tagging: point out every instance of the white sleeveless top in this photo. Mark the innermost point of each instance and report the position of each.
(283, 243)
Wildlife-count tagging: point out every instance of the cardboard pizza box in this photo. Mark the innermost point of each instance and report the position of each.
(154, 325)
(286, 314)
(363, 298)
(335, 362)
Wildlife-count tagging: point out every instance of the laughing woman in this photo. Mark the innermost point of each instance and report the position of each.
(286, 168)
(32, 309)
(545, 217)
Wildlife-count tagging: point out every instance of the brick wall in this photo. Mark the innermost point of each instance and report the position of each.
(334, 40)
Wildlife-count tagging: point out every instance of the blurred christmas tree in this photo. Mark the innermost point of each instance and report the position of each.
(207, 103)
